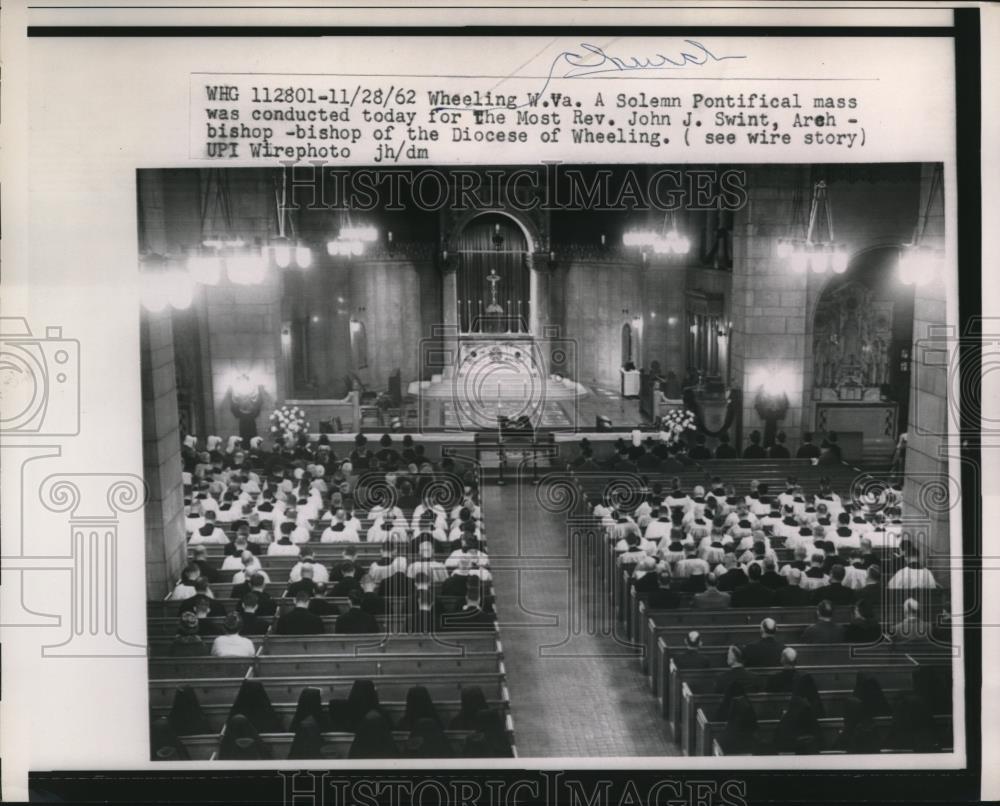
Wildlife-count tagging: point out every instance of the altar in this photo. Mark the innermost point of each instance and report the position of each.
(852, 368)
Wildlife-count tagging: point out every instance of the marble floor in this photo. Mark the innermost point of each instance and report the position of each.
(575, 691)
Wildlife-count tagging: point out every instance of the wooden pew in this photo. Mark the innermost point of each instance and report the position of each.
(838, 674)
(217, 714)
(709, 733)
(448, 643)
(336, 746)
(222, 691)
(670, 690)
(766, 706)
(716, 635)
(390, 687)
(374, 667)
(170, 668)
(654, 621)
(202, 747)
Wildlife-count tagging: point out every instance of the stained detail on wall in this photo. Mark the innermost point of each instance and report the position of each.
(851, 337)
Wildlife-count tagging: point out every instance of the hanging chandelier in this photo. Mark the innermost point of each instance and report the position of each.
(816, 252)
(666, 241)
(284, 249)
(220, 249)
(351, 240)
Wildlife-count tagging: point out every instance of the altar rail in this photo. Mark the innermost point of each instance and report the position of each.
(346, 409)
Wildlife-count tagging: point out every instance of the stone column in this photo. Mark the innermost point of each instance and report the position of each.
(449, 306)
(768, 305)
(166, 545)
(929, 493)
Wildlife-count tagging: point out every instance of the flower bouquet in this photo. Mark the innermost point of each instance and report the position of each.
(288, 423)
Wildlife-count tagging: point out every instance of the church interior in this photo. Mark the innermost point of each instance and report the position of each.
(522, 478)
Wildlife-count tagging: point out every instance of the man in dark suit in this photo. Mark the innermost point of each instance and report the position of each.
(473, 615)
(253, 623)
(835, 591)
(771, 578)
(355, 620)
(371, 602)
(779, 450)
(863, 627)
(347, 581)
(785, 679)
(266, 605)
(736, 673)
(792, 594)
(753, 594)
(690, 657)
(724, 450)
(700, 452)
(754, 449)
(712, 598)
(215, 609)
(300, 620)
(807, 450)
(766, 651)
(823, 631)
(735, 577)
(200, 558)
(872, 592)
(306, 584)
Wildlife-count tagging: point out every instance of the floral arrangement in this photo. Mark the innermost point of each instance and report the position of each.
(288, 423)
(674, 423)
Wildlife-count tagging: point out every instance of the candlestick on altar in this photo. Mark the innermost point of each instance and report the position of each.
(508, 316)
(519, 316)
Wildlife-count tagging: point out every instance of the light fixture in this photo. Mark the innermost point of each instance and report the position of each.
(220, 247)
(164, 283)
(351, 240)
(813, 253)
(345, 248)
(152, 279)
(246, 268)
(918, 262)
(666, 242)
(205, 268)
(179, 288)
(286, 250)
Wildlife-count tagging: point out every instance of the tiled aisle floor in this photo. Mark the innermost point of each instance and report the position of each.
(590, 703)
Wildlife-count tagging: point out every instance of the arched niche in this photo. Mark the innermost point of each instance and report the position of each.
(493, 286)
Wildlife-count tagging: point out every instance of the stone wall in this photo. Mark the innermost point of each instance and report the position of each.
(928, 491)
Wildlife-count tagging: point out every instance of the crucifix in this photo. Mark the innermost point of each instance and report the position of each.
(493, 279)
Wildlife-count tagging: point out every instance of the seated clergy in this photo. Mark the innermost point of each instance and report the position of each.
(824, 630)
(300, 620)
(766, 651)
(355, 620)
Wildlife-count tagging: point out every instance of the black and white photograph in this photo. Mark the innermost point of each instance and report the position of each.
(494, 403)
(622, 461)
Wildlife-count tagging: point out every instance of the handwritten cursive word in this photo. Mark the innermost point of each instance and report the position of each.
(601, 62)
(594, 61)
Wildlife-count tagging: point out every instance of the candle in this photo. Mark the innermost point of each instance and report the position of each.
(390, 236)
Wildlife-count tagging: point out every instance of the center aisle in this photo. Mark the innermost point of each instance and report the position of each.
(595, 701)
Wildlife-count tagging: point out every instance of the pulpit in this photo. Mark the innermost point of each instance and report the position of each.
(629, 382)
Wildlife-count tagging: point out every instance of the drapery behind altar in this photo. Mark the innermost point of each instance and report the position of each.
(493, 283)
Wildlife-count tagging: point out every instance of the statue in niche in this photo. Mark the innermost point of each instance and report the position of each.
(851, 336)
